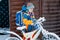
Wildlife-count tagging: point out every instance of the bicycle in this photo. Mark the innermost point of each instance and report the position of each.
(34, 34)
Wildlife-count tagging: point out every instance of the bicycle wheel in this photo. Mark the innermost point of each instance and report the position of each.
(12, 38)
(50, 36)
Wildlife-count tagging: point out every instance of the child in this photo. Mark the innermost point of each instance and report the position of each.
(27, 18)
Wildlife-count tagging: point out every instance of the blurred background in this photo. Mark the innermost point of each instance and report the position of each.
(50, 9)
(4, 13)
(4, 18)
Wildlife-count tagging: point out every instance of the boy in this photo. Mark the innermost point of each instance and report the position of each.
(27, 18)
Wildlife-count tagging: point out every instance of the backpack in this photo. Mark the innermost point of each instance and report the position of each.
(19, 18)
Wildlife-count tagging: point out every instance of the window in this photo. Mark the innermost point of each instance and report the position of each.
(4, 13)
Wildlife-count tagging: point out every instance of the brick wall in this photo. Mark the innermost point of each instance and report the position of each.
(51, 10)
(15, 5)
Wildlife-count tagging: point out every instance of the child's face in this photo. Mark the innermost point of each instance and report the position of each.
(31, 10)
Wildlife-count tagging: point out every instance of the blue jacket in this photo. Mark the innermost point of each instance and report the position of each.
(20, 23)
(19, 16)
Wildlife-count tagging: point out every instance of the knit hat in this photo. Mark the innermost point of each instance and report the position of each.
(24, 7)
(30, 5)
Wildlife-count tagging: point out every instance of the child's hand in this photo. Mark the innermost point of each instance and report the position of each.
(32, 24)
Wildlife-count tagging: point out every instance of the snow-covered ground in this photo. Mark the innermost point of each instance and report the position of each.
(3, 37)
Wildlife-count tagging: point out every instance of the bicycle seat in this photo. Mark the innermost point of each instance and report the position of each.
(21, 28)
